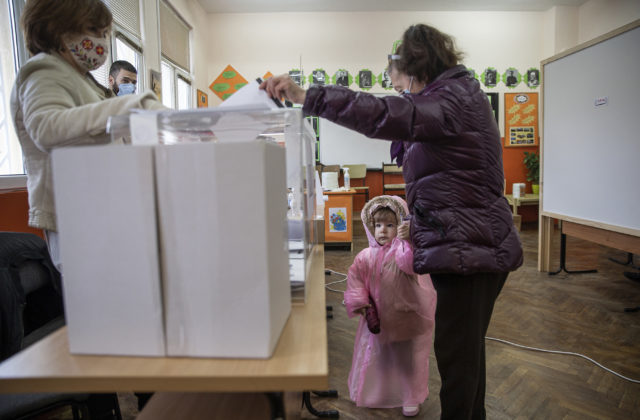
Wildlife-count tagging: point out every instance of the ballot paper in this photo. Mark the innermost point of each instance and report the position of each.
(250, 96)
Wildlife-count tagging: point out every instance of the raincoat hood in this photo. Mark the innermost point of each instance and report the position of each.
(392, 202)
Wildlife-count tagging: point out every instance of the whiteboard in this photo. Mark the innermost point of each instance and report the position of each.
(591, 147)
(340, 146)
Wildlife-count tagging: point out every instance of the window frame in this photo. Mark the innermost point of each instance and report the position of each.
(177, 73)
(119, 33)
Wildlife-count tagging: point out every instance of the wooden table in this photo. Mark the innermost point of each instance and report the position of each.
(300, 361)
(338, 217)
(525, 200)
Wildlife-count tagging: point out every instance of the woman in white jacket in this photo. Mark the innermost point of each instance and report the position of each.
(55, 101)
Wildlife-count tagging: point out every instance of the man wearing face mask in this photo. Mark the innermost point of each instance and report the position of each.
(123, 78)
(56, 102)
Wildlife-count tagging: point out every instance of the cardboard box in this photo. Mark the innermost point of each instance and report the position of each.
(223, 228)
(106, 214)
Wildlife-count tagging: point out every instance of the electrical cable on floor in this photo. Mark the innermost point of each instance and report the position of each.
(329, 271)
(566, 353)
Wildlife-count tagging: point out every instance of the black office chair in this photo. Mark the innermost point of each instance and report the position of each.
(31, 308)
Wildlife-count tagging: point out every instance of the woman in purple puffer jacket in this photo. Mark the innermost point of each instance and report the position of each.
(448, 144)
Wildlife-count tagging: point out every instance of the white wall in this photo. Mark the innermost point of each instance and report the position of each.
(597, 17)
(278, 42)
(562, 27)
(256, 43)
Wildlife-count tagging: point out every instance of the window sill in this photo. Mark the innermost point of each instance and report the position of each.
(9, 183)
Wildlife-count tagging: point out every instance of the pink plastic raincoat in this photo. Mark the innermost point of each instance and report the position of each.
(390, 369)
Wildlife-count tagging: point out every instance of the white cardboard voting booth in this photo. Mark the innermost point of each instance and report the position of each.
(106, 214)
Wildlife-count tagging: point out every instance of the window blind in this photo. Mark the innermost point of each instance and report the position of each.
(126, 13)
(174, 36)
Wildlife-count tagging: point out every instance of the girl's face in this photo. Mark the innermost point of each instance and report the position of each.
(385, 229)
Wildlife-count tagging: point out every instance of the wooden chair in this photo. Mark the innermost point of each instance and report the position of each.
(359, 173)
(387, 170)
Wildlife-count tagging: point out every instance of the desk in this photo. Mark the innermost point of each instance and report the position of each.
(300, 361)
(338, 216)
(526, 200)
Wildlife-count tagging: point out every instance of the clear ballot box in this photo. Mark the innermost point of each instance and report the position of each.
(235, 203)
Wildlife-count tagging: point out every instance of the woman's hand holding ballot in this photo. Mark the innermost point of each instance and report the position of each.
(284, 87)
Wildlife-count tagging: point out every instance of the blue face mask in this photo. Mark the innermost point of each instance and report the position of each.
(407, 91)
(126, 89)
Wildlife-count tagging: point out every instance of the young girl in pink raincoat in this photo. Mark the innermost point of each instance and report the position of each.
(390, 368)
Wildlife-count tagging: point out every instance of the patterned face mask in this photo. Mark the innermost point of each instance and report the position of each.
(90, 52)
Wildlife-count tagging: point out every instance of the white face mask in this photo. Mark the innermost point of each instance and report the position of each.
(90, 52)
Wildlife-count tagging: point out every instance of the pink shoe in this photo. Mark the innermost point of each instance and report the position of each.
(410, 410)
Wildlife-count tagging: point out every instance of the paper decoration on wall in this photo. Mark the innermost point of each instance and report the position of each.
(298, 76)
(511, 77)
(227, 83)
(156, 83)
(472, 73)
(203, 99)
(267, 75)
(395, 46)
(342, 78)
(337, 219)
(385, 80)
(495, 104)
(533, 78)
(521, 119)
(318, 77)
(489, 77)
(365, 79)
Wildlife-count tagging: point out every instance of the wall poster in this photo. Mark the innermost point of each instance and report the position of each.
(337, 219)
(364, 79)
(342, 78)
(203, 99)
(533, 78)
(227, 83)
(521, 119)
(511, 77)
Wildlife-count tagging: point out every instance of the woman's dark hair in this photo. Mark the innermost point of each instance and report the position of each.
(425, 53)
(44, 22)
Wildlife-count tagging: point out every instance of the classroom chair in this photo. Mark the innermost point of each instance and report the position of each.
(391, 169)
(359, 173)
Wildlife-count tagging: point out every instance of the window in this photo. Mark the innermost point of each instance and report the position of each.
(176, 87)
(184, 93)
(11, 50)
(168, 98)
(126, 39)
(175, 47)
(128, 50)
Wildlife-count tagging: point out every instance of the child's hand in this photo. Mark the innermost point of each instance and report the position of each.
(362, 311)
(404, 230)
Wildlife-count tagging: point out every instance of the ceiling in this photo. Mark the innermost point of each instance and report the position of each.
(265, 6)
